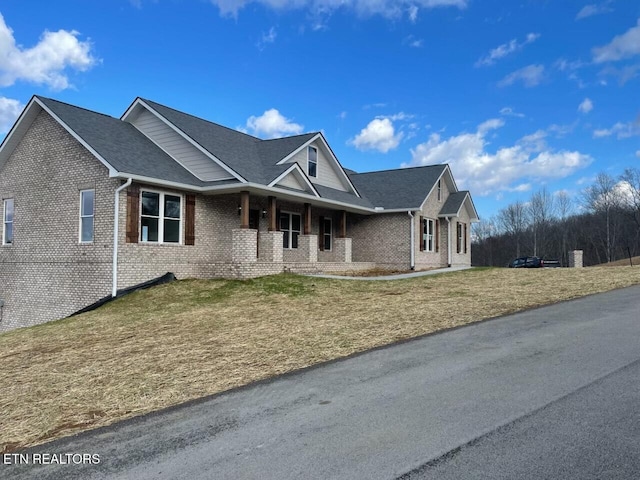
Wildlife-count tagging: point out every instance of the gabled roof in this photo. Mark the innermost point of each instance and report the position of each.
(119, 143)
(252, 158)
(404, 188)
(454, 204)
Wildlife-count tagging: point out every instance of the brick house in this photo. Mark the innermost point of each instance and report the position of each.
(92, 204)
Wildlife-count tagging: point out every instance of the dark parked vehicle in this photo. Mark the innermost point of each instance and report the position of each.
(533, 262)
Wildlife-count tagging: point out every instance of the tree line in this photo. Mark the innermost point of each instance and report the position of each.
(603, 221)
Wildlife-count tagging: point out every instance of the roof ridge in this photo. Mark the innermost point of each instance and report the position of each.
(40, 97)
(402, 168)
(286, 138)
(201, 119)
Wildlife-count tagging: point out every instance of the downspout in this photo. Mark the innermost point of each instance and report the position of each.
(448, 241)
(116, 224)
(413, 241)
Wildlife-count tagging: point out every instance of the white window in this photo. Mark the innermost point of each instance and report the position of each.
(326, 234)
(87, 206)
(427, 235)
(312, 161)
(7, 225)
(440, 190)
(160, 217)
(290, 224)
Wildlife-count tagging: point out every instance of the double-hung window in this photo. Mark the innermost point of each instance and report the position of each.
(160, 217)
(312, 161)
(290, 226)
(87, 206)
(7, 222)
(427, 235)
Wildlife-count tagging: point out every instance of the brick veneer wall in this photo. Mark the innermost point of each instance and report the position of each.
(383, 239)
(47, 273)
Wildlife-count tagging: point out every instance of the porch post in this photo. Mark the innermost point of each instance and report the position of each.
(307, 219)
(343, 225)
(271, 214)
(244, 209)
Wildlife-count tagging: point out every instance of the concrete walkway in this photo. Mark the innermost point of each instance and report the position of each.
(399, 276)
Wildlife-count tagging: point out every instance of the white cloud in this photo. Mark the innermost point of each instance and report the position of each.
(510, 112)
(623, 46)
(530, 76)
(272, 124)
(638, 153)
(593, 9)
(620, 130)
(491, 124)
(379, 135)
(508, 169)
(623, 74)
(9, 111)
(386, 8)
(413, 41)
(269, 37)
(505, 49)
(586, 106)
(45, 63)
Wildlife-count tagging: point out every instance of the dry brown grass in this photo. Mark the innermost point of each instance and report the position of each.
(193, 338)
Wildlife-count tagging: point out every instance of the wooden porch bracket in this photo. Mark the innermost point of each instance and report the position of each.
(272, 215)
(244, 209)
(307, 219)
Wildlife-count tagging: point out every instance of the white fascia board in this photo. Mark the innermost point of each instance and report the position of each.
(236, 187)
(112, 170)
(319, 136)
(295, 168)
(206, 152)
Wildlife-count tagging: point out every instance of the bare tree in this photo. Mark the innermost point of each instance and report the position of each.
(514, 219)
(541, 211)
(564, 208)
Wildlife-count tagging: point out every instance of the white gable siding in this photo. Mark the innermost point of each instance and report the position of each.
(327, 175)
(178, 148)
(292, 182)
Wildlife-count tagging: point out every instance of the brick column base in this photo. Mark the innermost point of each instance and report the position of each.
(244, 245)
(575, 259)
(270, 246)
(308, 248)
(342, 250)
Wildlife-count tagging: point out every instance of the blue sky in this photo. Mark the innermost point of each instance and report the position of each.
(514, 95)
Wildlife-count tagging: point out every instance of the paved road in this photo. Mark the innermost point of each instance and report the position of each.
(548, 393)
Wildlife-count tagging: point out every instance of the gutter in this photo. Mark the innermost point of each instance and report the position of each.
(448, 241)
(412, 260)
(116, 224)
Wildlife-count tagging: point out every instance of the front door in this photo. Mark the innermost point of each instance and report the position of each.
(254, 222)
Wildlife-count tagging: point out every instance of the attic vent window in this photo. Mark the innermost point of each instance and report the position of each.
(313, 161)
(7, 227)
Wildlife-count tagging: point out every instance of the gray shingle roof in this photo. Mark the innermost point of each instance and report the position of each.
(121, 144)
(340, 196)
(252, 158)
(401, 188)
(454, 203)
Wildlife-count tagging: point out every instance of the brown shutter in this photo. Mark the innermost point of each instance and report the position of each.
(190, 220)
(277, 219)
(321, 234)
(133, 213)
(458, 237)
(465, 238)
(437, 234)
(421, 236)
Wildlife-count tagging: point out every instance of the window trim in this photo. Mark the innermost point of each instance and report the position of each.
(309, 162)
(93, 216)
(329, 233)
(428, 237)
(5, 222)
(290, 231)
(161, 218)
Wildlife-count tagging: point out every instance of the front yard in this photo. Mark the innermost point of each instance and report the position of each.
(193, 338)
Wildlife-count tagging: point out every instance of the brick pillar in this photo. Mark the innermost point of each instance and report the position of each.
(575, 259)
(342, 249)
(308, 248)
(244, 245)
(270, 247)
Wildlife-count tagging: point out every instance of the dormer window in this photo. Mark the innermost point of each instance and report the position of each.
(312, 161)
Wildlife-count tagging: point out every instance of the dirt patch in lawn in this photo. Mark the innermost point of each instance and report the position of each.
(192, 338)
